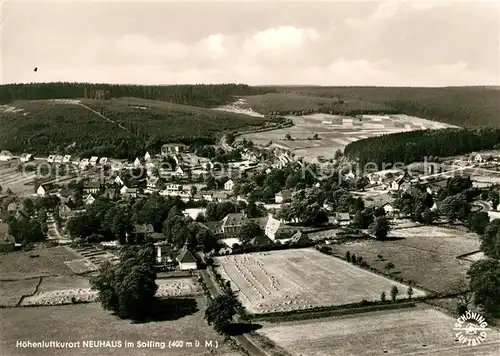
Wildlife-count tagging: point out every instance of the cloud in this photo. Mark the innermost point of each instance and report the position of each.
(281, 38)
(386, 9)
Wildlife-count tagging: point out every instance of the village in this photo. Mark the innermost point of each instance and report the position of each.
(257, 200)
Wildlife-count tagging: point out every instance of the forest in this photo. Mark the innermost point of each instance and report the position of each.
(201, 95)
(407, 147)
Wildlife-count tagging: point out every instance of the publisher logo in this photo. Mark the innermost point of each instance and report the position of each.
(471, 329)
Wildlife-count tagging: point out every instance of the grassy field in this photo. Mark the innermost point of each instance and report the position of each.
(17, 181)
(90, 322)
(300, 279)
(34, 263)
(425, 255)
(460, 106)
(335, 132)
(75, 126)
(417, 331)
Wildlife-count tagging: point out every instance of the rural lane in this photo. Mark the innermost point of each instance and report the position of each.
(243, 340)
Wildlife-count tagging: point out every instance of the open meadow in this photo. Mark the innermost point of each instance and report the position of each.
(415, 331)
(21, 183)
(299, 279)
(335, 132)
(426, 255)
(79, 322)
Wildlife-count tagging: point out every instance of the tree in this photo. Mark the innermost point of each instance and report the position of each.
(221, 311)
(464, 295)
(485, 284)
(494, 197)
(409, 292)
(315, 136)
(389, 266)
(394, 293)
(353, 258)
(128, 288)
(456, 207)
(229, 138)
(338, 154)
(477, 222)
(363, 219)
(348, 256)
(429, 216)
(248, 231)
(193, 190)
(490, 240)
(361, 183)
(380, 228)
(383, 297)
(288, 137)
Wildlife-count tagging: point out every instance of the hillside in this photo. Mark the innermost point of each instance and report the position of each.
(460, 106)
(130, 126)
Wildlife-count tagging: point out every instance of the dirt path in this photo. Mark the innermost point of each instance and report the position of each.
(104, 117)
(243, 340)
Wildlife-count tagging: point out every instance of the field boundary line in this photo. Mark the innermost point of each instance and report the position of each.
(21, 299)
(101, 115)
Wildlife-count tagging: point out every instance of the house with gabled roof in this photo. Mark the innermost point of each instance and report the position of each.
(229, 185)
(233, 222)
(475, 158)
(6, 156)
(65, 211)
(41, 191)
(283, 196)
(89, 200)
(400, 183)
(137, 162)
(127, 192)
(91, 187)
(51, 158)
(93, 160)
(186, 260)
(66, 159)
(342, 219)
(14, 207)
(154, 184)
(58, 159)
(172, 148)
(118, 180)
(147, 157)
(84, 163)
(261, 240)
(103, 161)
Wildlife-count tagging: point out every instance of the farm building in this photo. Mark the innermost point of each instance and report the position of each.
(103, 161)
(261, 240)
(76, 161)
(229, 185)
(66, 159)
(6, 156)
(58, 159)
(142, 231)
(186, 260)
(84, 163)
(283, 197)
(41, 191)
(51, 158)
(233, 222)
(342, 219)
(172, 148)
(116, 166)
(26, 157)
(147, 157)
(128, 192)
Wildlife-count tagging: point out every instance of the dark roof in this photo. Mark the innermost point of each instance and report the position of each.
(261, 240)
(143, 229)
(157, 236)
(185, 256)
(234, 219)
(92, 185)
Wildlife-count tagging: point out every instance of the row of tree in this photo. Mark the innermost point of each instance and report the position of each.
(414, 146)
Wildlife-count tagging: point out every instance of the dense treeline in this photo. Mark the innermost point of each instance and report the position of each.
(202, 95)
(45, 127)
(407, 147)
(460, 106)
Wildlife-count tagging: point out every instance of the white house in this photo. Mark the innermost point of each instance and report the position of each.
(283, 196)
(75, 161)
(342, 219)
(66, 159)
(186, 260)
(89, 200)
(179, 172)
(147, 157)
(6, 156)
(172, 148)
(173, 187)
(51, 158)
(229, 185)
(41, 191)
(103, 161)
(137, 162)
(388, 208)
(84, 163)
(118, 180)
(58, 159)
(475, 158)
(26, 157)
(154, 183)
(272, 227)
(93, 160)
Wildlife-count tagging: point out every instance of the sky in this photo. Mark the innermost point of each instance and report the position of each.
(392, 43)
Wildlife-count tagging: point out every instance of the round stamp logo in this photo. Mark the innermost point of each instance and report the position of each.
(471, 329)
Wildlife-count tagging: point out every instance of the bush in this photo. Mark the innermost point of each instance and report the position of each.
(348, 256)
(353, 258)
(383, 297)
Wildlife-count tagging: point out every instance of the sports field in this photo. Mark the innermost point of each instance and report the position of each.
(417, 331)
(296, 279)
(335, 132)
